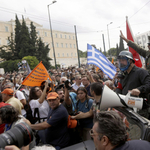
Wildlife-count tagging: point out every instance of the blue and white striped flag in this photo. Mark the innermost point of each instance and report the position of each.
(97, 58)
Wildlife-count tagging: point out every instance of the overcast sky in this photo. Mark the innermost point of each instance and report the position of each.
(91, 17)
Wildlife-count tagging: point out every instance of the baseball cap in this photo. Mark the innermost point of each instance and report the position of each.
(52, 95)
(8, 91)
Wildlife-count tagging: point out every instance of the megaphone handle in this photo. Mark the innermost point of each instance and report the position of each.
(122, 101)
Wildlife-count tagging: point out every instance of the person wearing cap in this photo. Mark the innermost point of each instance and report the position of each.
(7, 97)
(136, 80)
(141, 51)
(54, 131)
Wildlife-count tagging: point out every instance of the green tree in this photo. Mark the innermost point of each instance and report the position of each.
(42, 54)
(121, 45)
(82, 54)
(33, 39)
(8, 51)
(32, 61)
(10, 65)
(24, 40)
(17, 37)
(117, 50)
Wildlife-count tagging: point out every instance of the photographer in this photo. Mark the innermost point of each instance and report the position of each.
(10, 116)
(37, 101)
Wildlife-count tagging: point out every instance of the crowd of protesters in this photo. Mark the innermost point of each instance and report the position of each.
(72, 91)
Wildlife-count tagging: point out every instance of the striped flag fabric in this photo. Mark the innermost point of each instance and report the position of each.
(100, 60)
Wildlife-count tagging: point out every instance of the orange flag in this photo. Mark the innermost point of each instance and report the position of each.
(37, 76)
(112, 61)
(97, 69)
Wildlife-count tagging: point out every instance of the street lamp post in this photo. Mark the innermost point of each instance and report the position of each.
(52, 31)
(108, 36)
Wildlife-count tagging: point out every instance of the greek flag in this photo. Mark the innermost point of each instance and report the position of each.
(97, 58)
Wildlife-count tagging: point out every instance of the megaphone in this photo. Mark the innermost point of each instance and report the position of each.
(111, 99)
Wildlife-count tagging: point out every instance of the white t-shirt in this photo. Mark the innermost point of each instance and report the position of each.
(43, 108)
(21, 96)
(74, 86)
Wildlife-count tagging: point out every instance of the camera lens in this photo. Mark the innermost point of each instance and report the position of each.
(20, 135)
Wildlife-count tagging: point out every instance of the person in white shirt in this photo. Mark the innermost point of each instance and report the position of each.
(77, 83)
(37, 100)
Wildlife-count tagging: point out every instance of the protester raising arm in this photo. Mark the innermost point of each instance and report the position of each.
(42, 97)
(133, 45)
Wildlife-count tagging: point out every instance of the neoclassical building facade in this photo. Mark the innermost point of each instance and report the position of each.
(64, 42)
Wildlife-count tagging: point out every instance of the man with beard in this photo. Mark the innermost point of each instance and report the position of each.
(61, 95)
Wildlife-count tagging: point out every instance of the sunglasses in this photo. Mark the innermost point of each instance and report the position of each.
(37, 90)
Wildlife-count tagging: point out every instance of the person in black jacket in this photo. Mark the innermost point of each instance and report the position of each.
(136, 80)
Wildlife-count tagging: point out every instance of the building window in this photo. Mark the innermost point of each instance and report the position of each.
(56, 35)
(58, 55)
(66, 45)
(0, 42)
(65, 36)
(57, 45)
(46, 43)
(69, 37)
(62, 54)
(71, 54)
(70, 46)
(45, 34)
(61, 36)
(38, 33)
(73, 37)
(61, 44)
(7, 42)
(67, 55)
(6, 28)
(75, 54)
(74, 46)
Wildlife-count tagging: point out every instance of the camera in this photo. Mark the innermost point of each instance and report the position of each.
(20, 135)
(66, 84)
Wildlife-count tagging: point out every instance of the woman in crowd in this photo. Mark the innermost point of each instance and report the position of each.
(84, 105)
(38, 104)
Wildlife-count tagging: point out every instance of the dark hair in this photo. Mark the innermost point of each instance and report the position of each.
(9, 114)
(85, 76)
(97, 78)
(111, 125)
(84, 90)
(43, 86)
(97, 87)
(1, 97)
(32, 94)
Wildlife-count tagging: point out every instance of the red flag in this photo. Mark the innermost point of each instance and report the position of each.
(136, 56)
